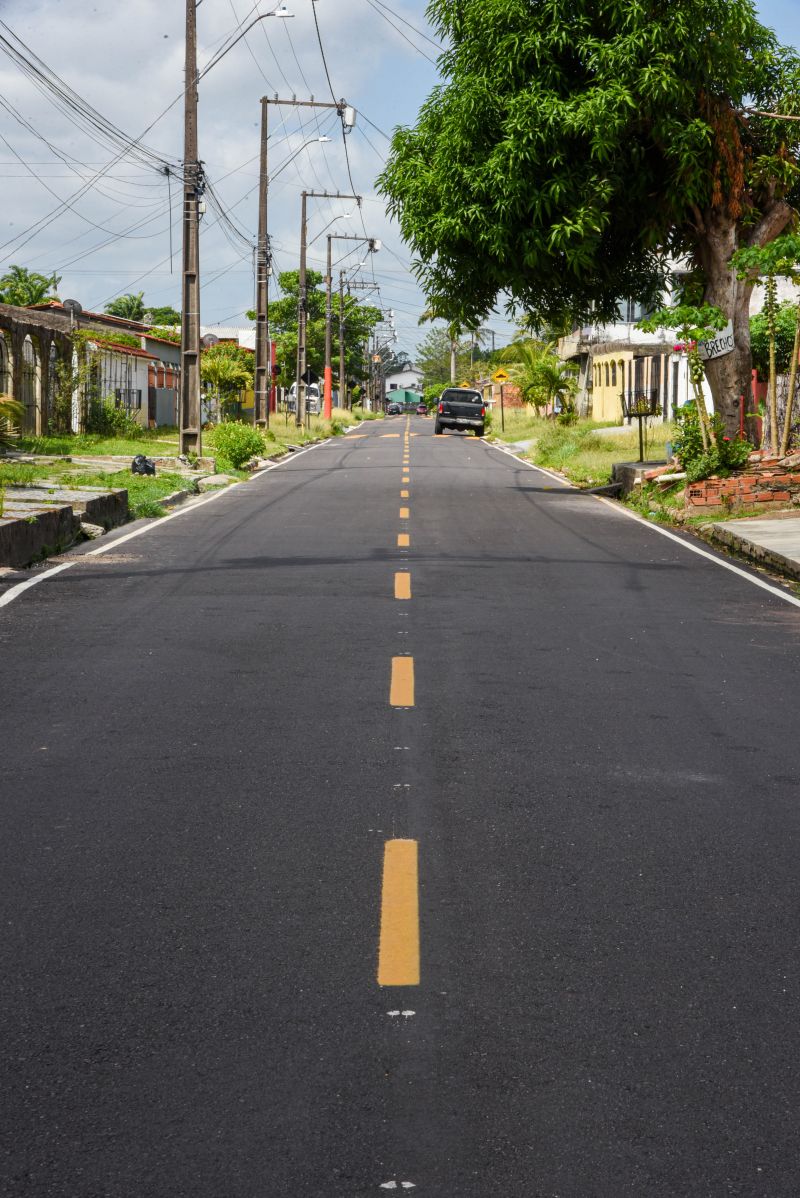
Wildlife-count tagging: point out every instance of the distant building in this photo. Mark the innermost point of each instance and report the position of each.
(408, 379)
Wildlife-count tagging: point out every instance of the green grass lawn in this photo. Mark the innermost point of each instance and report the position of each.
(586, 458)
(144, 493)
(163, 442)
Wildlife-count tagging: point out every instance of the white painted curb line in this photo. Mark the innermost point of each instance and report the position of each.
(663, 532)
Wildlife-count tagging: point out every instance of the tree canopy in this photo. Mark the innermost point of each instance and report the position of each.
(20, 286)
(360, 319)
(576, 148)
(129, 307)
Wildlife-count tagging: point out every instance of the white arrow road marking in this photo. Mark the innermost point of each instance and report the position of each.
(393, 1185)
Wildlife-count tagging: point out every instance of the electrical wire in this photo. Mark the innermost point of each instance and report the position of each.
(377, 5)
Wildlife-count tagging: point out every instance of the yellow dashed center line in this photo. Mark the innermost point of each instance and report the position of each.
(401, 691)
(404, 513)
(404, 494)
(406, 479)
(398, 954)
(402, 585)
(403, 540)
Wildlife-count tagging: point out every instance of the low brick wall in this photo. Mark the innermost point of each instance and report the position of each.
(765, 486)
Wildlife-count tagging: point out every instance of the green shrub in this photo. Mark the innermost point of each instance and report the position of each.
(237, 442)
(107, 420)
(729, 453)
(337, 428)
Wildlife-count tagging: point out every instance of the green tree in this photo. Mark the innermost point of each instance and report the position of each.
(20, 287)
(574, 150)
(359, 321)
(129, 307)
(785, 325)
(779, 259)
(228, 370)
(694, 324)
(441, 358)
(543, 379)
(162, 317)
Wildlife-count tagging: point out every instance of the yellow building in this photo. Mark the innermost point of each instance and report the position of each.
(621, 372)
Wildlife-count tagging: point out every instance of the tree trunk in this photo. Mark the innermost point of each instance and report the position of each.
(730, 377)
(453, 352)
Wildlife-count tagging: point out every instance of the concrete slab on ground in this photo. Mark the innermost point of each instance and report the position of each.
(107, 508)
(773, 540)
(28, 532)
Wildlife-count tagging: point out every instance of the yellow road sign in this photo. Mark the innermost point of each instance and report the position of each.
(500, 376)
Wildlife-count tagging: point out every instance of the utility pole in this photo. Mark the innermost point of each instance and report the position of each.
(190, 434)
(374, 246)
(328, 409)
(302, 299)
(302, 312)
(343, 399)
(262, 380)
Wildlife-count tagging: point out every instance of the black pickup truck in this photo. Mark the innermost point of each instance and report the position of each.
(460, 408)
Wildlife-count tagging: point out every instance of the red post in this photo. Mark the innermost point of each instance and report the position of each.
(328, 403)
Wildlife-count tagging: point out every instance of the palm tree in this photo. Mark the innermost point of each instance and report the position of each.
(129, 307)
(12, 414)
(228, 378)
(21, 287)
(543, 379)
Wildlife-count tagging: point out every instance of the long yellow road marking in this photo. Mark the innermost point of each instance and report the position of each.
(404, 513)
(404, 494)
(402, 585)
(403, 540)
(385, 435)
(401, 691)
(405, 479)
(398, 954)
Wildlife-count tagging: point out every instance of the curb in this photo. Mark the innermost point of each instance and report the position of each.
(756, 553)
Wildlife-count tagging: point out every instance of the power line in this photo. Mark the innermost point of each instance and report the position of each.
(405, 21)
(404, 36)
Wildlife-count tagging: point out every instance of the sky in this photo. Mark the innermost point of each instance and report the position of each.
(110, 225)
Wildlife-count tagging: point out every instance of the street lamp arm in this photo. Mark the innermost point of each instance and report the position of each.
(280, 11)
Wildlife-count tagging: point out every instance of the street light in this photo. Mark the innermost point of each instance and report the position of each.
(190, 416)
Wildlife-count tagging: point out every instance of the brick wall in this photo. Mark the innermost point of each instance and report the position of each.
(769, 485)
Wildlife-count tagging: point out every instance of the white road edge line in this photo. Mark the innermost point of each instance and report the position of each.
(623, 511)
(14, 592)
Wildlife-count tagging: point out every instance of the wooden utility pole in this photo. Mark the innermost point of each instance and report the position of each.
(302, 313)
(262, 379)
(190, 432)
(302, 298)
(262, 382)
(342, 380)
(374, 245)
(328, 335)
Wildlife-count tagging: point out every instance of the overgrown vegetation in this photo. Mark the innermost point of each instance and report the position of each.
(586, 458)
(236, 442)
(699, 458)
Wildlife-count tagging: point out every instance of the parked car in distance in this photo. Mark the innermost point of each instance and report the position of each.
(393, 409)
(460, 407)
(422, 409)
(312, 399)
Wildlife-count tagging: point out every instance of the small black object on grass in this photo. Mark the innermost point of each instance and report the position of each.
(143, 465)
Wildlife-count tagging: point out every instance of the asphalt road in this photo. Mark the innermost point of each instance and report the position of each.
(587, 809)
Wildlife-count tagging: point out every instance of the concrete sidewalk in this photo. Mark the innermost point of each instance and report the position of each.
(772, 540)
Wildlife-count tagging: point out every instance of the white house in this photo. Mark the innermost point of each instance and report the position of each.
(409, 379)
